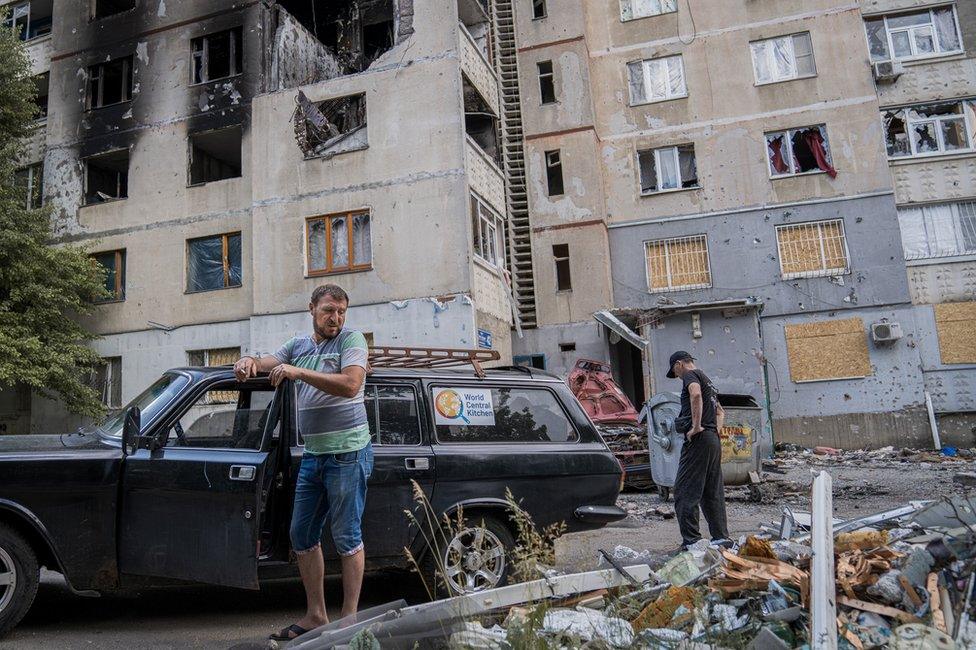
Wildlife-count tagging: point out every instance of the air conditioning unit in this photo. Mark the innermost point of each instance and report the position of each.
(885, 332)
(888, 71)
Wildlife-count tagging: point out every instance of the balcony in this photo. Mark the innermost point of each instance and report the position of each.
(484, 176)
(477, 69)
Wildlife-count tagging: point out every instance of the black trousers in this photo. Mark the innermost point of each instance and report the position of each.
(699, 484)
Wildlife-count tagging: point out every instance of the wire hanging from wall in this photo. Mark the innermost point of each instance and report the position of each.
(677, 22)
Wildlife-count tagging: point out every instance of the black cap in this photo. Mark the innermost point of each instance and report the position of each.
(680, 355)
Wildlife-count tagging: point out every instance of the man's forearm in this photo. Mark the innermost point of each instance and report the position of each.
(696, 412)
(339, 384)
(266, 363)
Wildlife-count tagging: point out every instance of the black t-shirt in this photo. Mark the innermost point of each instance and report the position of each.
(709, 395)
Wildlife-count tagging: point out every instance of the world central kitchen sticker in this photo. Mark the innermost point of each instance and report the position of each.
(463, 406)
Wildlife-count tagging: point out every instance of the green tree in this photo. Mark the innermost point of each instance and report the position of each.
(43, 286)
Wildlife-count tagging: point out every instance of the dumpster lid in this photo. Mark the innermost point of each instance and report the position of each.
(737, 400)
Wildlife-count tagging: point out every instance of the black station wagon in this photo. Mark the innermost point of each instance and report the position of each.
(194, 480)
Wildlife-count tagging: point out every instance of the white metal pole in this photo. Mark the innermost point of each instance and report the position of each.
(932, 423)
(823, 604)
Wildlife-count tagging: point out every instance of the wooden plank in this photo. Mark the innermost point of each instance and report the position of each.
(831, 349)
(883, 610)
(954, 325)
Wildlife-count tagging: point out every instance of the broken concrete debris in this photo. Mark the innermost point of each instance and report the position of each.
(902, 578)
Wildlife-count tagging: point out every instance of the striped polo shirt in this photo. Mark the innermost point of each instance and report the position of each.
(329, 424)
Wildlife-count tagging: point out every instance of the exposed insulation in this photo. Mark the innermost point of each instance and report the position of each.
(955, 323)
(833, 349)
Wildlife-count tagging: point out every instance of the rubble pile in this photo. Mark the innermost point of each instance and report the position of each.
(629, 444)
(900, 579)
(789, 455)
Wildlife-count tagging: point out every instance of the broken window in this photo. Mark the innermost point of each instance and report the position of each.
(29, 19)
(678, 263)
(914, 35)
(480, 122)
(42, 83)
(799, 151)
(632, 9)
(107, 177)
(215, 155)
(106, 380)
(489, 232)
(813, 249)
(547, 85)
(332, 126)
(338, 243)
(554, 173)
(213, 262)
(114, 264)
(110, 83)
(783, 58)
(929, 129)
(940, 230)
(668, 168)
(654, 80)
(105, 8)
(538, 8)
(31, 181)
(560, 254)
(356, 32)
(218, 56)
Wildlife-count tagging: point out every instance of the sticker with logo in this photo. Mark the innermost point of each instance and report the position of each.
(463, 407)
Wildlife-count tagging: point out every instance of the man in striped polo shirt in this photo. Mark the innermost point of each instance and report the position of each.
(329, 369)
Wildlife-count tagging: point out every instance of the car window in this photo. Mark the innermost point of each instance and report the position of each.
(226, 416)
(476, 414)
(393, 416)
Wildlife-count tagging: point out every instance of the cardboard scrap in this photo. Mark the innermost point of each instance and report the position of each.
(756, 547)
(659, 612)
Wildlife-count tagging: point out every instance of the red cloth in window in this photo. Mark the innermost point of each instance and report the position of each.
(776, 155)
(815, 141)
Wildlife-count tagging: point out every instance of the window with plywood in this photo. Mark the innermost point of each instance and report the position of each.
(828, 350)
(813, 249)
(678, 263)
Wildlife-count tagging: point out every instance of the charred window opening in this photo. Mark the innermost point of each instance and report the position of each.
(110, 83)
(28, 20)
(357, 32)
(473, 15)
(105, 8)
(480, 123)
(107, 177)
(42, 83)
(218, 56)
(215, 155)
(332, 126)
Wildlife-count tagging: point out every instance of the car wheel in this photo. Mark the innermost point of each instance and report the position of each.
(19, 575)
(476, 558)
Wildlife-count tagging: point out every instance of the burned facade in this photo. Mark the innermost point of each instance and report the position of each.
(745, 169)
(224, 158)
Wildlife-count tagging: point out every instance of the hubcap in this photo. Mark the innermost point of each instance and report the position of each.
(8, 579)
(475, 560)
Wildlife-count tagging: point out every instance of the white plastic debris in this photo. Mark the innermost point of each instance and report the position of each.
(476, 637)
(588, 625)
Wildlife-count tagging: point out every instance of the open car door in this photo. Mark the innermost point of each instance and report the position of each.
(190, 510)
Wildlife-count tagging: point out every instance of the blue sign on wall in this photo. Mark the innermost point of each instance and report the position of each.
(484, 339)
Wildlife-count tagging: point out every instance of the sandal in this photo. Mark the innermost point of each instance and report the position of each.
(285, 634)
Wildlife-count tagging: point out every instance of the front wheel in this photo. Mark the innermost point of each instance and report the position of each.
(19, 575)
(475, 558)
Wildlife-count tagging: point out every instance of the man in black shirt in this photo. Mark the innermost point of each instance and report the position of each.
(699, 481)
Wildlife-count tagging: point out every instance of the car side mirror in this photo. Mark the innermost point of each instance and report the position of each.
(131, 430)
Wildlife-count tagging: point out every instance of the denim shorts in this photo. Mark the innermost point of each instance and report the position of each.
(331, 487)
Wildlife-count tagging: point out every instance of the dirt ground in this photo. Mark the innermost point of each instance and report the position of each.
(861, 486)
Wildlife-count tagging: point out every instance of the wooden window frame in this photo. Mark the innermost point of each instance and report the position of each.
(204, 55)
(96, 73)
(118, 294)
(330, 269)
(224, 252)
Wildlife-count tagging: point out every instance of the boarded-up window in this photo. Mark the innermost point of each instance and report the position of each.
(824, 350)
(216, 357)
(677, 263)
(106, 379)
(812, 249)
(954, 323)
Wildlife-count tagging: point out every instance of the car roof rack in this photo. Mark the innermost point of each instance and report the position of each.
(383, 356)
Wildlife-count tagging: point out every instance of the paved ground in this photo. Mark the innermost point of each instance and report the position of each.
(198, 617)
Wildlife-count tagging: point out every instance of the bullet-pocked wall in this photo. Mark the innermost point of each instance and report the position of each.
(745, 263)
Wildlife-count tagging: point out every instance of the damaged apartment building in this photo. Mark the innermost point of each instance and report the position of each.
(221, 159)
(784, 189)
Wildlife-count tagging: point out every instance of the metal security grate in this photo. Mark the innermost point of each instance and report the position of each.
(815, 249)
(678, 263)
